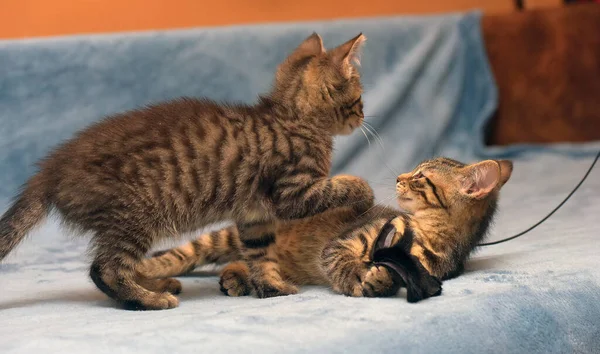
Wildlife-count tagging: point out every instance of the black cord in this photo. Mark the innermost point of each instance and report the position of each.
(552, 212)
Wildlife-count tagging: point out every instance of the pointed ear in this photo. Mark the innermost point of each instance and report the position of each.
(480, 179)
(348, 53)
(506, 168)
(313, 45)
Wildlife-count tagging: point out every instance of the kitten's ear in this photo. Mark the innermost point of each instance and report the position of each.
(480, 179)
(506, 168)
(348, 53)
(313, 45)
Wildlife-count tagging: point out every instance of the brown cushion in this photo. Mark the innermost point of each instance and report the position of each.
(547, 68)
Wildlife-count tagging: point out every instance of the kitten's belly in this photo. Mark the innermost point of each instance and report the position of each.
(299, 245)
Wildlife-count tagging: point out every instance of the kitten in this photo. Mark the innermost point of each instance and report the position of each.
(157, 172)
(447, 206)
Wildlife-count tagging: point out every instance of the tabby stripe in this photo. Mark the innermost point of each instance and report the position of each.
(231, 240)
(302, 138)
(176, 172)
(190, 150)
(273, 135)
(365, 244)
(256, 256)
(422, 194)
(289, 147)
(223, 141)
(267, 260)
(433, 260)
(232, 168)
(291, 193)
(262, 242)
(351, 105)
(165, 261)
(199, 132)
(177, 254)
(195, 179)
(197, 247)
(434, 190)
(337, 114)
(215, 239)
(329, 93)
(300, 171)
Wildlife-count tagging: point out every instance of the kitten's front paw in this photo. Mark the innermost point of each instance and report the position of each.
(360, 194)
(378, 282)
(265, 289)
(234, 280)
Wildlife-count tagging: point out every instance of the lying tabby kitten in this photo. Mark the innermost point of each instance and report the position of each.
(447, 205)
(154, 173)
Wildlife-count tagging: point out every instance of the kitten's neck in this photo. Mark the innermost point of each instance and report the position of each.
(453, 236)
(307, 116)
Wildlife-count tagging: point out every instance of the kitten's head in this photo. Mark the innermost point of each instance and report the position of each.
(444, 183)
(323, 85)
(461, 198)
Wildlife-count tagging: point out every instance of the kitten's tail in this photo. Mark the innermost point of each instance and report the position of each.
(29, 208)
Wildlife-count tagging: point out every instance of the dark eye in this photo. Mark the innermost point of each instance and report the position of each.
(418, 175)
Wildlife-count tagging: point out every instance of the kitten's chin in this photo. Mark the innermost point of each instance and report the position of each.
(347, 130)
(406, 205)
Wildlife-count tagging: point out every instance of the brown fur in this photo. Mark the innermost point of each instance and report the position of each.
(171, 168)
(447, 205)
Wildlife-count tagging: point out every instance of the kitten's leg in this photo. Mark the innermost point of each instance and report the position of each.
(350, 271)
(169, 285)
(296, 196)
(258, 240)
(216, 247)
(235, 279)
(114, 271)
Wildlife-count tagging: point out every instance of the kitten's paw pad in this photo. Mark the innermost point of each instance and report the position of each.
(267, 289)
(378, 282)
(155, 301)
(233, 283)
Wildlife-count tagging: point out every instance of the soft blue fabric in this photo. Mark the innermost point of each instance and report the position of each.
(429, 91)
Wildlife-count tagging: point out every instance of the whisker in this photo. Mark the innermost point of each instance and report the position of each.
(376, 205)
(374, 132)
(376, 216)
(365, 134)
(380, 183)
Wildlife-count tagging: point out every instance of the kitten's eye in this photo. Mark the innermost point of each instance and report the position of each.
(418, 175)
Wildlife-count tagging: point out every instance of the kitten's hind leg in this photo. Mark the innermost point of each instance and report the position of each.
(216, 247)
(114, 271)
(258, 240)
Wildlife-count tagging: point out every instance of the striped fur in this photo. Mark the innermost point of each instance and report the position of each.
(153, 173)
(448, 206)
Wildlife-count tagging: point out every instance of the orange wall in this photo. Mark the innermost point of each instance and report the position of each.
(30, 18)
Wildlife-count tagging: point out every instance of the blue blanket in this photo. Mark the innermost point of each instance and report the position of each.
(429, 91)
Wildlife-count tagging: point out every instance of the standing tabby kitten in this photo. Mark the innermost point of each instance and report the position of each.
(447, 206)
(157, 172)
